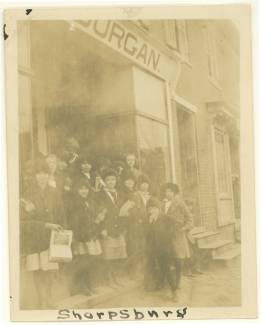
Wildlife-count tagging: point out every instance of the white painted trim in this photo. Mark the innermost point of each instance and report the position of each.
(171, 135)
(185, 103)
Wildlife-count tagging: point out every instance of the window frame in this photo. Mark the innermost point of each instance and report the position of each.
(176, 37)
(150, 118)
(211, 53)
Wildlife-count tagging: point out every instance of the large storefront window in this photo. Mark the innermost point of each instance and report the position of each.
(154, 102)
(154, 150)
(113, 140)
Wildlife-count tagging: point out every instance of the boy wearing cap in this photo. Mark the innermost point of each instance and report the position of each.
(158, 249)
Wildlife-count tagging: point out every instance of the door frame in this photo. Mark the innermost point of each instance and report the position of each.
(227, 152)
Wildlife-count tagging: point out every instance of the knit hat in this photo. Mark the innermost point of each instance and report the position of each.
(85, 158)
(108, 172)
(170, 186)
(128, 175)
(143, 179)
(82, 182)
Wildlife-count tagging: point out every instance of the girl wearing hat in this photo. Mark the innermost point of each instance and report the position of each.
(113, 242)
(72, 154)
(85, 170)
(42, 212)
(134, 223)
(85, 235)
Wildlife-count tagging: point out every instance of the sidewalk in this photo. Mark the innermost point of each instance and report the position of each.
(104, 294)
(219, 286)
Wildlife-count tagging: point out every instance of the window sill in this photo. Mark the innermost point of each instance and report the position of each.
(214, 82)
(187, 62)
(183, 59)
(227, 223)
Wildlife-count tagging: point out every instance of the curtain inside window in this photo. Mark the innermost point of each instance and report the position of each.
(154, 150)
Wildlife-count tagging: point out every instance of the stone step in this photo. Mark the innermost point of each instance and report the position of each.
(205, 234)
(218, 246)
(230, 254)
(197, 230)
(206, 238)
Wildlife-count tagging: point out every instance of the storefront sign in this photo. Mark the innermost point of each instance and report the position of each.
(118, 37)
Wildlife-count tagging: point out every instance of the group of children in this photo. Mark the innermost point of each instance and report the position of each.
(119, 226)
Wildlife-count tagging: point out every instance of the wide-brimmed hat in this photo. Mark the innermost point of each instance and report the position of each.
(143, 179)
(109, 172)
(170, 186)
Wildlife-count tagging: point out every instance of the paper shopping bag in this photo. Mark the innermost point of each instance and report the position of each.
(60, 246)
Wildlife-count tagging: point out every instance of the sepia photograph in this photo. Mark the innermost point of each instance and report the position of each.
(128, 164)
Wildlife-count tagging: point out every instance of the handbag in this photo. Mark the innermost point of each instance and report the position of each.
(60, 246)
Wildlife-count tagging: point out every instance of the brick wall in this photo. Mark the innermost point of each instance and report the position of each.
(195, 86)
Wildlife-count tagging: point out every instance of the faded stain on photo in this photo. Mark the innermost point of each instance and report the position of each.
(129, 166)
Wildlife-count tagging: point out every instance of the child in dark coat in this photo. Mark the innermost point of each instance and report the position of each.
(113, 241)
(158, 249)
(85, 234)
(134, 220)
(41, 212)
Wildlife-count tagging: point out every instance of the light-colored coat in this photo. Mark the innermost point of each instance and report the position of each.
(182, 222)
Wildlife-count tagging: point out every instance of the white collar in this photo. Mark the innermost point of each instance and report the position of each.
(109, 192)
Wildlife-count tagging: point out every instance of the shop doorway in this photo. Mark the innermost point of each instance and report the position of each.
(188, 160)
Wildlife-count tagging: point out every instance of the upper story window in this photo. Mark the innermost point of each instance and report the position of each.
(144, 24)
(177, 37)
(211, 54)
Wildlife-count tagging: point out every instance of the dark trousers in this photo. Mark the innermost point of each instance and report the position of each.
(179, 268)
(80, 279)
(158, 269)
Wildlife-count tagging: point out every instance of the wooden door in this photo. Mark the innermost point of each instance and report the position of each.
(223, 180)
